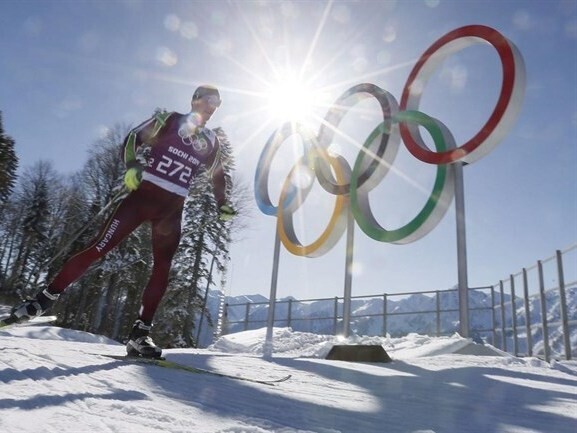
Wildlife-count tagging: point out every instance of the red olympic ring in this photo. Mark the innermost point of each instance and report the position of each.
(506, 108)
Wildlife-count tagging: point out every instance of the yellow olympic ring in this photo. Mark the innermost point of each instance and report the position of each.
(337, 223)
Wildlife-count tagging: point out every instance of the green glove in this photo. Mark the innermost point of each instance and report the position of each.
(226, 212)
(132, 178)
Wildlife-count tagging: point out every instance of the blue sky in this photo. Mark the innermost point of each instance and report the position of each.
(71, 69)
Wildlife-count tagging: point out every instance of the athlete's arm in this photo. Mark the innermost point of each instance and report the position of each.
(143, 133)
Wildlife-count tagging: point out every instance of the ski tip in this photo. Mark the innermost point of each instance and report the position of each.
(3, 323)
(6, 322)
(283, 379)
(130, 358)
(42, 319)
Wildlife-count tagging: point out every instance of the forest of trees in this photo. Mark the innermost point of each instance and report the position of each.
(42, 213)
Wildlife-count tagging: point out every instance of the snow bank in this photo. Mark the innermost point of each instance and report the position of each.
(44, 332)
(289, 343)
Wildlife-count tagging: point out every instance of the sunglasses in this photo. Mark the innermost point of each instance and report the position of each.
(212, 100)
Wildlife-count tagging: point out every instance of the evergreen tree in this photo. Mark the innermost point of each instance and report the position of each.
(33, 199)
(10, 230)
(8, 164)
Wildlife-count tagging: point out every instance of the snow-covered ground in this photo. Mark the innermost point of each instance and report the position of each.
(54, 380)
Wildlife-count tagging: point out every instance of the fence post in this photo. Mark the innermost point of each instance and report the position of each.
(336, 315)
(385, 315)
(493, 317)
(546, 349)
(289, 312)
(527, 314)
(246, 316)
(438, 313)
(503, 335)
(563, 305)
(223, 322)
(514, 316)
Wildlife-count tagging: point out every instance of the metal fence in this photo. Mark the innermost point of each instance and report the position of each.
(542, 320)
(530, 313)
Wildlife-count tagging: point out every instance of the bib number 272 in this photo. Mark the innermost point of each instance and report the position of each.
(171, 168)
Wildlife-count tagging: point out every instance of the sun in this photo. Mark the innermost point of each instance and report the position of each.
(292, 99)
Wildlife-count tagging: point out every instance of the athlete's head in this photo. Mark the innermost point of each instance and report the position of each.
(205, 101)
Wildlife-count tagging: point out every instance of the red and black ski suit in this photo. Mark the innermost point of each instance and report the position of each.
(176, 156)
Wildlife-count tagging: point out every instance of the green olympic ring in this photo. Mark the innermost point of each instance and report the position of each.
(437, 203)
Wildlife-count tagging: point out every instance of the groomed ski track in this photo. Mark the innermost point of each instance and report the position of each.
(51, 381)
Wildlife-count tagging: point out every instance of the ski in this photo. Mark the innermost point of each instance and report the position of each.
(33, 321)
(163, 362)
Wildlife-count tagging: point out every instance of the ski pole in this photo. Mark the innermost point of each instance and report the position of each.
(119, 195)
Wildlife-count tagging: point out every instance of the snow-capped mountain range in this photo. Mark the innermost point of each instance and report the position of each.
(415, 313)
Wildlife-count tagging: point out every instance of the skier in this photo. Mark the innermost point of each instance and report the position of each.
(180, 145)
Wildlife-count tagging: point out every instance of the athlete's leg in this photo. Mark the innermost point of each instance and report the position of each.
(127, 216)
(165, 240)
(123, 221)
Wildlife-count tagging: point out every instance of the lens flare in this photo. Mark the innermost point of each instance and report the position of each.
(292, 99)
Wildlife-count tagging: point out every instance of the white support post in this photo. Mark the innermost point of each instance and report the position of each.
(348, 273)
(461, 251)
(268, 343)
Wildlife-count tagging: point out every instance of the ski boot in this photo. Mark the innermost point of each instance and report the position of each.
(31, 307)
(140, 344)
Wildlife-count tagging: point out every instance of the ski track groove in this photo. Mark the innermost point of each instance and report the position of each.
(114, 397)
(145, 412)
(142, 412)
(97, 385)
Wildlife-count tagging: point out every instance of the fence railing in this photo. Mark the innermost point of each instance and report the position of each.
(527, 314)
(542, 319)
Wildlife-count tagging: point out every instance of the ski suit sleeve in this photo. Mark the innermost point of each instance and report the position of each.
(143, 133)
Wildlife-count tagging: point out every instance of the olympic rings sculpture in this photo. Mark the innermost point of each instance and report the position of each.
(400, 121)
